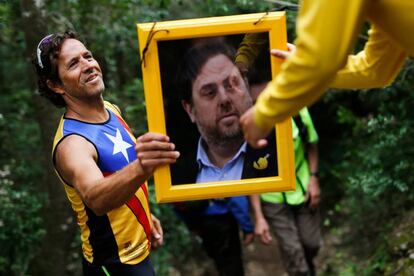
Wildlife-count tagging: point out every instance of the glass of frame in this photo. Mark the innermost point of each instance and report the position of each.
(168, 50)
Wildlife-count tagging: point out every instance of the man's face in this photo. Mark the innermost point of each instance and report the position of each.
(220, 96)
(79, 72)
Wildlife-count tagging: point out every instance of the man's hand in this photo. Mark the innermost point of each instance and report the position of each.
(248, 238)
(157, 233)
(154, 150)
(253, 134)
(314, 192)
(261, 230)
(283, 54)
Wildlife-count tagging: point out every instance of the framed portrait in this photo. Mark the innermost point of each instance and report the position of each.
(200, 75)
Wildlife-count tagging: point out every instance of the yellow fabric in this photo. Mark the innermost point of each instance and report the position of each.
(114, 108)
(326, 32)
(133, 245)
(250, 48)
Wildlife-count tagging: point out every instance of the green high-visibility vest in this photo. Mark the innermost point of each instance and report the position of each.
(301, 163)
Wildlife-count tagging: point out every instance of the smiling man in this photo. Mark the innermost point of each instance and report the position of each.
(214, 94)
(102, 166)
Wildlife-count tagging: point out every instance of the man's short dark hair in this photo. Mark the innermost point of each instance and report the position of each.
(194, 60)
(47, 67)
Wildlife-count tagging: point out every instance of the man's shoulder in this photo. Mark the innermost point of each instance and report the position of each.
(70, 139)
(72, 154)
(73, 145)
(113, 107)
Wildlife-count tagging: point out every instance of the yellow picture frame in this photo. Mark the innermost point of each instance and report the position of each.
(149, 36)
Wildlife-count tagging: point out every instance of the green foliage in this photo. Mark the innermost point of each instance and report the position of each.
(21, 228)
(379, 160)
(226, 7)
(373, 170)
(131, 101)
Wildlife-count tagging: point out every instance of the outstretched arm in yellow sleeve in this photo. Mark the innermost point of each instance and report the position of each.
(376, 66)
(326, 32)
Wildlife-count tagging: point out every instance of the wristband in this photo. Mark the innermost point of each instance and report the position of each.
(315, 174)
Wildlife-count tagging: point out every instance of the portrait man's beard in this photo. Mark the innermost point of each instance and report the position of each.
(219, 135)
(224, 133)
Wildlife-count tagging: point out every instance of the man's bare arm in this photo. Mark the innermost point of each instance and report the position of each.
(314, 191)
(261, 227)
(76, 162)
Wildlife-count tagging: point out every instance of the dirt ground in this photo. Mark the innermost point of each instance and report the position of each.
(262, 260)
(259, 260)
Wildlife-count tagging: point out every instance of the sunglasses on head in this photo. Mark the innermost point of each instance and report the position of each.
(46, 40)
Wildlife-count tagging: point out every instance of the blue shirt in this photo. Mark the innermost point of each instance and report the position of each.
(232, 170)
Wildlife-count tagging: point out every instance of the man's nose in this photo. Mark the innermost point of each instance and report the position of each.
(223, 95)
(87, 65)
(224, 100)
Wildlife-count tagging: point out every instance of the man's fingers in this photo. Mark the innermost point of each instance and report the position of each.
(248, 239)
(279, 53)
(266, 238)
(157, 226)
(291, 47)
(253, 134)
(261, 143)
(157, 233)
(262, 232)
(154, 145)
(153, 136)
(257, 144)
(154, 155)
(153, 163)
(314, 202)
(157, 240)
(283, 54)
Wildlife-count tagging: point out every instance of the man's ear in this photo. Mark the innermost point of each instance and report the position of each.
(57, 88)
(188, 107)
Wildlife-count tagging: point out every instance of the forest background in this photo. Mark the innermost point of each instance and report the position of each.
(366, 146)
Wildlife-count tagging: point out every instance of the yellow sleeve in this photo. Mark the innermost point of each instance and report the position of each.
(250, 48)
(376, 66)
(326, 31)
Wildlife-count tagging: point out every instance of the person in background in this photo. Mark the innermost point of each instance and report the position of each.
(294, 216)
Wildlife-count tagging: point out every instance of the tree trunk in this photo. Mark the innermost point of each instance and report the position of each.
(53, 256)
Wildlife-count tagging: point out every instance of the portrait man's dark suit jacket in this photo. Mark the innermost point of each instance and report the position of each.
(185, 171)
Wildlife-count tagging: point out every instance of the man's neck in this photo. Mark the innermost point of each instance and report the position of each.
(87, 111)
(220, 154)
